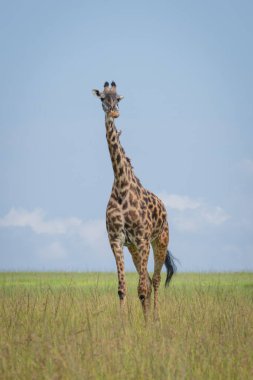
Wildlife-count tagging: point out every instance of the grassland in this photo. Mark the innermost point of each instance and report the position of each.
(68, 326)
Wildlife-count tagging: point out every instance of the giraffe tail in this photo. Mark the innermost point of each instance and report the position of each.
(170, 266)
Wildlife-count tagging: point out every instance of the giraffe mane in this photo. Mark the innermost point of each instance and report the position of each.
(129, 161)
(127, 158)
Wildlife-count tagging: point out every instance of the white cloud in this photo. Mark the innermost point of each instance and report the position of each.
(36, 221)
(214, 215)
(178, 202)
(53, 251)
(189, 214)
(92, 232)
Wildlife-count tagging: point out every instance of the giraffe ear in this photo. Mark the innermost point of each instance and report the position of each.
(98, 94)
(120, 97)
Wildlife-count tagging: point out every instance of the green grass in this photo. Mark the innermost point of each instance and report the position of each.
(68, 326)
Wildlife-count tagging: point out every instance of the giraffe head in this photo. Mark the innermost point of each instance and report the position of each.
(109, 99)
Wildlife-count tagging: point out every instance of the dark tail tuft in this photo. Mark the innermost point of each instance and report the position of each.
(170, 266)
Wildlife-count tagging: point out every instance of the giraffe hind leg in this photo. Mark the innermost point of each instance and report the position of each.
(159, 246)
(140, 258)
(137, 263)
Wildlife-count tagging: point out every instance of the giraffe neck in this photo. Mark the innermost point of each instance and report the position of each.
(121, 165)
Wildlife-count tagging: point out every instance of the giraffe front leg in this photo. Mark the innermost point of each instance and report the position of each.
(117, 249)
(144, 287)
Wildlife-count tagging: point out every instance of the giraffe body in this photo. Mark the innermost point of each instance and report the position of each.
(135, 217)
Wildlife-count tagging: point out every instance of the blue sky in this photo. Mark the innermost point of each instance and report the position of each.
(185, 70)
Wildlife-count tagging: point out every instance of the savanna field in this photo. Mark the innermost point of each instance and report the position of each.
(68, 326)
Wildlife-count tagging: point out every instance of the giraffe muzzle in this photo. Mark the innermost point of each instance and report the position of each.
(114, 114)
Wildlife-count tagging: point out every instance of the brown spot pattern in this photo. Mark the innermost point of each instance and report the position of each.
(137, 218)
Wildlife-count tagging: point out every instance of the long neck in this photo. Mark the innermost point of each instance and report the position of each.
(121, 165)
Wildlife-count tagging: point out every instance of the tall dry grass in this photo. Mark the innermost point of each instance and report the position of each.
(68, 326)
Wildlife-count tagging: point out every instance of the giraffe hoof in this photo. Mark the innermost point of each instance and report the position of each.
(142, 297)
(121, 294)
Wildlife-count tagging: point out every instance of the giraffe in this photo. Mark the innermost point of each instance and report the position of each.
(135, 217)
